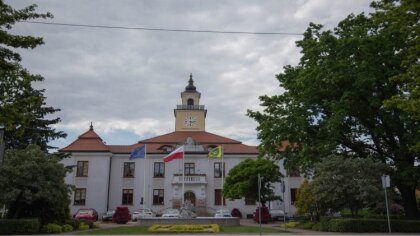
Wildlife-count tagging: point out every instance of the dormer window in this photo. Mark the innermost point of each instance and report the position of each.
(190, 102)
(166, 148)
(210, 147)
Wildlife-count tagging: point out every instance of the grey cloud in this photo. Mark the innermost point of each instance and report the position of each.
(124, 78)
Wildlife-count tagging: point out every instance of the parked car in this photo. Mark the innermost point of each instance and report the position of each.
(265, 215)
(277, 214)
(236, 213)
(86, 214)
(141, 213)
(222, 213)
(170, 213)
(108, 215)
(121, 215)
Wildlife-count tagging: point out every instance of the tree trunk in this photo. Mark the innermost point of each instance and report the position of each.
(409, 199)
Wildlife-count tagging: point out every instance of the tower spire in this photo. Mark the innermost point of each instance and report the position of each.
(91, 126)
(190, 87)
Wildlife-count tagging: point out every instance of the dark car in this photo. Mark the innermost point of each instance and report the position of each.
(265, 215)
(121, 215)
(108, 215)
(86, 214)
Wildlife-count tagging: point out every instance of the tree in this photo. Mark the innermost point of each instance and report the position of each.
(305, 200)
(340, 183)
(32, 185)
(242, 180)
(22, 108)
(334, 99)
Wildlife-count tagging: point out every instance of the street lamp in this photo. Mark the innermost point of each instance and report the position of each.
(1, 144)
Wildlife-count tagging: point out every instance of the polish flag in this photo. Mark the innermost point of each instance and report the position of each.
(177, 154)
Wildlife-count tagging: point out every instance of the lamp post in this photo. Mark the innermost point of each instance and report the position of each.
(1, 144)
(2, 159)
(385, 184)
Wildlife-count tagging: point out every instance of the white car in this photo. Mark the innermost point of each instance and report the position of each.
(222, 213)
(171, 213)
(142, 213)
(277, 214)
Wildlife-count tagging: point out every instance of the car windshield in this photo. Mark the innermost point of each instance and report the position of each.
(223, 211)
(171, 211)
(85, 212)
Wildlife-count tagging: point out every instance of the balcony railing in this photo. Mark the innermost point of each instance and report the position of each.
(190, 107)
(190, 179)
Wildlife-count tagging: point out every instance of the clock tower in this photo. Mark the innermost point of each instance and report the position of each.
(190, 116)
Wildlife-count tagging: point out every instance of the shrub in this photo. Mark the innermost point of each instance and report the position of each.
(86, 222)
(19, 226)
(306, 225)
(372, 225)
(51, 229)
(324, 223)
(83, 227)
(67, 228)
(394, 208)
(316, 227)
(236, 213)
(95, 226)
(74, 223)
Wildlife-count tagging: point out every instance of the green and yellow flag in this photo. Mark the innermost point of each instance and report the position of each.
(216, 152)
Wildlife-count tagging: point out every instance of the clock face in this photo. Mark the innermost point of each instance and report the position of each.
(190, 121)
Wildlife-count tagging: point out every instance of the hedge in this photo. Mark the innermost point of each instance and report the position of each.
(369, 225)
(19, 226)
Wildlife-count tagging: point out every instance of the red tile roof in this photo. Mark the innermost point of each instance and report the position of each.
(90, 141)
(87, 142)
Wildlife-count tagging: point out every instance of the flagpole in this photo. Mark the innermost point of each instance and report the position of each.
(223, 170)
(144, 176)
(183, 175)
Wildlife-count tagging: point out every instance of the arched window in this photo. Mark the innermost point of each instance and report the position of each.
(190, 102)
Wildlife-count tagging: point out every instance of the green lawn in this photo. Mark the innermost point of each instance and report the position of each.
(143, 230)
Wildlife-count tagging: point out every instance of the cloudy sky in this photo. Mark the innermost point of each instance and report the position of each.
(127, 82)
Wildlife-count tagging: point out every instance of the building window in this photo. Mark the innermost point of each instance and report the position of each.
(218, 169)
(190, 102)
(189, 168)
(159, 170)
(249, 202)
(80, 196)
(127, 197)
(158, 197)
(218, 197)
(293, 195)
(82, 169)
(129, 169)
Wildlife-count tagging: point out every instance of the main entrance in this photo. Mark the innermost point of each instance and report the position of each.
(189, 195)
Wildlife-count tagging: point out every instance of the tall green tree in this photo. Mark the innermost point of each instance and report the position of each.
(22, 108)
(32, 185)
(242, 180)
(352, 183)
(334, 99)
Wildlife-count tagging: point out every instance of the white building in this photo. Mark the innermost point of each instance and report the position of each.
(105, 178)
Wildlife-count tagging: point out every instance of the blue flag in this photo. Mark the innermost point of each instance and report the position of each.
(139, 152)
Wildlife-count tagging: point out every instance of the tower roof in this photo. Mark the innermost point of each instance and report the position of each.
(190, 87)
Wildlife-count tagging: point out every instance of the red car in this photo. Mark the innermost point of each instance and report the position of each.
(265, 215)
(121, 215)
(86, 214)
